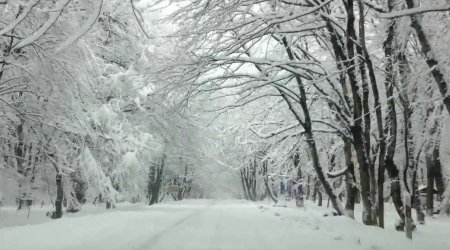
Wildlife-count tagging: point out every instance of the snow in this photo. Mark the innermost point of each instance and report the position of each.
(20, 18)
(83, 30)
(212, 224)
(413, 11)
(54, 15)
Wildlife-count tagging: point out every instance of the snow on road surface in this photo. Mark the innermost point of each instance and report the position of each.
(218, 225)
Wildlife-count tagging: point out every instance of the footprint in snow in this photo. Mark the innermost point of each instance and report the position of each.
(315, 227)
(276, 214)
(373, 247)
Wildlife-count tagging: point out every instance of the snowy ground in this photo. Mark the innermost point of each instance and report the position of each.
(209, 224)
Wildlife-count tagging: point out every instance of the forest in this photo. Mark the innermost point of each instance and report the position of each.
(339, 105)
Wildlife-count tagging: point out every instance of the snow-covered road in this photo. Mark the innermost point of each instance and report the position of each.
(208, 224)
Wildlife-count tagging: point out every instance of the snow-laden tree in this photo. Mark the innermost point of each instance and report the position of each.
(355, 79)
(67, 71)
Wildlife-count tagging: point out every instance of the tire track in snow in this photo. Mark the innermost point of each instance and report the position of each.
(154, 239)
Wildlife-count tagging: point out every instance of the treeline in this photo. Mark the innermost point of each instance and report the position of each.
(359, 88)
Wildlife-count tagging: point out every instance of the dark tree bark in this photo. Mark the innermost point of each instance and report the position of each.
(365, 103)
(431, 59)
(437, 172)
(19, 149)
(408, 221)
(155, 180)
(418, 205)
(350, 179)
(296, 165)
(266, 183)
(409, 160)
(345, 59)
(319, 197)
(59, 197)
(253, 186)
(357, 129)
(410, 168)
(244, 186)
(379, 118)
(391, 123)
(314, 196)
(185, 186)
(394, 56)
(430, 186)
(396, 194)
(434, 178)
(308, 189)
(307, 126)
(248, 175)
(345, 66)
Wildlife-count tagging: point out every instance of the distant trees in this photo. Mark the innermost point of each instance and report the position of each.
(310, 73)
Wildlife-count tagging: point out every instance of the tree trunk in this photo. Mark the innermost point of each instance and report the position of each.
(314, 197)
(431, 59)
(409, 165)
(153, 194)
(308, 189)
(253, 181)
(396, 193)
(328, 190)
(319, 194)
(244, 189)
(430, 186)
(408, 220)
(59, 197)
(266, 182)
(350, 180)
(434, 177)
(419, 208)
(379, 118)
(390, 128)
(365, 107)
(357, 130)
(248, 174)
(307, 125)
(155, 180)
(437, 171)
(19, 149)
(269, 192)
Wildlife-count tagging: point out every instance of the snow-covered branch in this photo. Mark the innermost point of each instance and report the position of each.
(272, 133)
(374, 6)
(45, 27)
(414, 11)
(26, 10)
(337, 173)
(82, 31)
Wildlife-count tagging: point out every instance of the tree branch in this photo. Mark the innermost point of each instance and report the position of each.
(414, 11)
